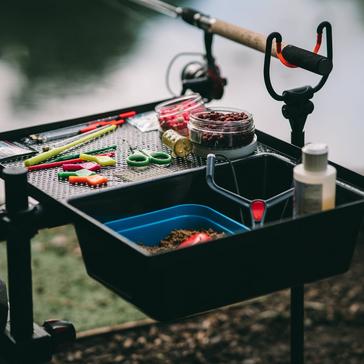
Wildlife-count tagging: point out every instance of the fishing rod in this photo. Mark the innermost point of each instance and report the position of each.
(289, 55)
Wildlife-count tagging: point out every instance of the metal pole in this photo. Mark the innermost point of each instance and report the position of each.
(18, 255)
(298, 137)
(297, 325)
(298, 304)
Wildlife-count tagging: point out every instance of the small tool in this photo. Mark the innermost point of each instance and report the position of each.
(79, 173)
(91, 166)
(52, 135)
(77, 155)
(61, 163)
(142, 158)
(103, 161)
(92, 181)
(54, 152)
(73, 130)
(101, 123)
(10, 150)
(63, 142)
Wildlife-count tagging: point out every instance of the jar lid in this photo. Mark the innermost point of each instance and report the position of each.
(315, 156)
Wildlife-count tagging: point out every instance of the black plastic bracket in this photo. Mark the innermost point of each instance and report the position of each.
(241, 200)
(298, 104)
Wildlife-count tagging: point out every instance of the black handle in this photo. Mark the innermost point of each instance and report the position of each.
(307, 60)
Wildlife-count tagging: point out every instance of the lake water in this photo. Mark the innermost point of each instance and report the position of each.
(60, 60)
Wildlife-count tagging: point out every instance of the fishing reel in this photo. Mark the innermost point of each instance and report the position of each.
(202, 77)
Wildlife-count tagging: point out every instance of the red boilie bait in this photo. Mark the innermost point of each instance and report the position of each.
(195, 239)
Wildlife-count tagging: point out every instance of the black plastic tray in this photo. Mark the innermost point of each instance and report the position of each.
(284, 253)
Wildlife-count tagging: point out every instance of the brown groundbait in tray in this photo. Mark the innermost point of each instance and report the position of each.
(176, 237)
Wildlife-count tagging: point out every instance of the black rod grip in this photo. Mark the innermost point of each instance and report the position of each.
(307, 60)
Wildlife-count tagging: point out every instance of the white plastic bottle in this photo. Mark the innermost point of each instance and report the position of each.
(314, 181)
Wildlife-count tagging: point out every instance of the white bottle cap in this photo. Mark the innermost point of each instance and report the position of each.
(315, 156)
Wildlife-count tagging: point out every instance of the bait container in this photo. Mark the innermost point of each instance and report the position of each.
(175, 114)
(226, 131)
(150, 228)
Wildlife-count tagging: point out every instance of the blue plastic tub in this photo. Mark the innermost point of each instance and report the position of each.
(152, 227)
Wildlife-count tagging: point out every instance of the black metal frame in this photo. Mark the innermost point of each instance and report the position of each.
(21, 329)
(22, 340)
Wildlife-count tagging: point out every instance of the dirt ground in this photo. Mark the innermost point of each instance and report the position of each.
(251, 333)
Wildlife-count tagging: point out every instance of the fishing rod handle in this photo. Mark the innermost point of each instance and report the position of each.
(241, 35)
(230, 31)
(297, 56)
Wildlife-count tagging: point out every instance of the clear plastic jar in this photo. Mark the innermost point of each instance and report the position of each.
(221, 128)
(175, 114)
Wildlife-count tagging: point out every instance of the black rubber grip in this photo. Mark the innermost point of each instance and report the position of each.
(307, 60)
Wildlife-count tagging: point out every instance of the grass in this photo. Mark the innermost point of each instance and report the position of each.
(61, 287)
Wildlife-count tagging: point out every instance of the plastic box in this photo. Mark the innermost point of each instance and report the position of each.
(284, 253)
(226, 131)
(175, 114)
(152, 227)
